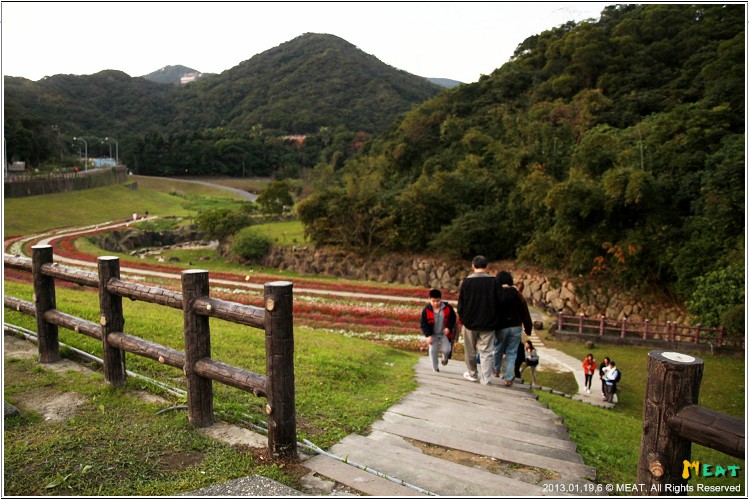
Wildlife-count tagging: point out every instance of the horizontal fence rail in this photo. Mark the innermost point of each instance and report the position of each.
(672, 421)
(277, 386)
(604, 327)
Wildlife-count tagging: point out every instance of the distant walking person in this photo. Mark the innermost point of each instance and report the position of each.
(610, 378)
(601, 369)
(513, 317)
(437, 322)
(477, 308)
(531, 360)
(589, 369)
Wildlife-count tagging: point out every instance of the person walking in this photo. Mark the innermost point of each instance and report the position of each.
(601, 369)
(437, 322)
(477, 309)
(589, 369)
(513, 317)
(531, 360)
(610, 378)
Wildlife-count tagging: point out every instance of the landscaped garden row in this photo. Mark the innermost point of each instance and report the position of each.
(65, 247)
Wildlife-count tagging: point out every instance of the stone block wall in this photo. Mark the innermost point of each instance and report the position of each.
(552, 294)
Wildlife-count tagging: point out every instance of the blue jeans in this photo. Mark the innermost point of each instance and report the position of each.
(506, 342)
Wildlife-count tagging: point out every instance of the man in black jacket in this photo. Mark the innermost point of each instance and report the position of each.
(477, 308)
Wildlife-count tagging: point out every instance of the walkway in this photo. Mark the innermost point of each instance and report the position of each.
(499, 442)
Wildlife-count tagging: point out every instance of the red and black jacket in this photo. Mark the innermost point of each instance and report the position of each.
(427, 319)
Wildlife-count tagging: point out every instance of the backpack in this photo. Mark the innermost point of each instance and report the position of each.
(618, 375)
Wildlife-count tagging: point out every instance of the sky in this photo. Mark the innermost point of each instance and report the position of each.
(455, 40)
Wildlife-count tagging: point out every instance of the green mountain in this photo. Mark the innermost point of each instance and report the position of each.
(613, 148)
(170, 75)
(312, 82)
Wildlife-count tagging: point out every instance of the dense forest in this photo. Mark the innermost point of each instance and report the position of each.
(612, 148)
(233, 123)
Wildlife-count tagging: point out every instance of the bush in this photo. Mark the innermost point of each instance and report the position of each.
(250, 245)
(715, 294)
(733, 320)
(218, 223)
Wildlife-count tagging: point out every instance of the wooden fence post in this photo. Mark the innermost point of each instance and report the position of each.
(673, 382)
(197, 346)
(721, 332)
(111, 320)
(697, 334)
(645, 329)
(560, 321)
(580, 327)
(602, 327)
(279, 347)
(44, 299)
(624, 327)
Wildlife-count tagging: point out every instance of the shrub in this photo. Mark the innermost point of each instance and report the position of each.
(218, 223)
(715, 294)
(250, 245)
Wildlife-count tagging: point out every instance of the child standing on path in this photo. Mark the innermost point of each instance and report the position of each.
(437, 323)
(589, 368)
(601, 369)
(531, 359)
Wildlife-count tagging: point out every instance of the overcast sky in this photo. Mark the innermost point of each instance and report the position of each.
(460, 40)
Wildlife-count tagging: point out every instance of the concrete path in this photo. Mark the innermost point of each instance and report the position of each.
(458, 438)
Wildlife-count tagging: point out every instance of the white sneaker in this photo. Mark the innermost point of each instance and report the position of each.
(468, 376)
(587, 390)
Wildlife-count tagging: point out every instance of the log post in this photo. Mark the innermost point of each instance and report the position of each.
(560, 322)
(580, 325)
(645, 329)
(602, 326)
(673, 382)
(197, 347)
(111, 320)
(279, 364)
(44, 299)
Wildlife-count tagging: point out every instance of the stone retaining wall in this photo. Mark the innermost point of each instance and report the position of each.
(552, 294)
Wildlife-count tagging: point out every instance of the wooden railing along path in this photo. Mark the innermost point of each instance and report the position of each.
(592, 328)
(672, 421)
(276, 319)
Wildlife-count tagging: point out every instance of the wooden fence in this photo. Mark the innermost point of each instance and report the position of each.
(277, 386)
(672, 421)
(604, 328)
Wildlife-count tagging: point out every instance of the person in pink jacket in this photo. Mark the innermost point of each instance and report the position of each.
(589, 368)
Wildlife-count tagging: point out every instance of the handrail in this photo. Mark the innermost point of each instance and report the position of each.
(277, 386)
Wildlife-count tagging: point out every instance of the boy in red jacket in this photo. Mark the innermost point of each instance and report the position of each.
(437, 322)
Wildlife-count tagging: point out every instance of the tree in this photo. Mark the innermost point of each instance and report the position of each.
(275, 198)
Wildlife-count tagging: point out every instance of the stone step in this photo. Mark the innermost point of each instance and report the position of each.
(426, 406)
(566, 469)
(494, 436)
(431, 473)
(353, 477)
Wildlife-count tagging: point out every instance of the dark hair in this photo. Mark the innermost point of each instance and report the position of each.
(504, 278)
(612, 363)
(529, 343)
(435, 294)
(480, 262)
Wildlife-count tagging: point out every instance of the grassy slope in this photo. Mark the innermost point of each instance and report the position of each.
(329, 369)
(35, 214)
(615, 454)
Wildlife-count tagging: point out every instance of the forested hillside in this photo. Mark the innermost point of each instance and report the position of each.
(227, 124)
(312, 81)
(611, 148)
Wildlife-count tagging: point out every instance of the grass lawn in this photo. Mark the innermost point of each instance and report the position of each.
(36, 214)
(342, 384)
(609, 440)
(115, 445)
